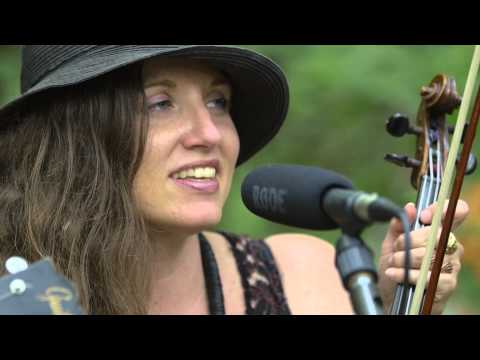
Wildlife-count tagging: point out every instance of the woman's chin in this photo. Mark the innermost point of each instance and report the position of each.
(188, 223)
(201, 224)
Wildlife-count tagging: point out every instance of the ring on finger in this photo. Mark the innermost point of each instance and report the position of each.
(452, 244)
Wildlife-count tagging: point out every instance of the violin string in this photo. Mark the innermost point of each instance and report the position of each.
(438, 175)
(422, 204)
(431, 172)
(425, 202)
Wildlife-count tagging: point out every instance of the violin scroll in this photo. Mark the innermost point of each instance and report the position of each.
(441, 97)
(438, 99)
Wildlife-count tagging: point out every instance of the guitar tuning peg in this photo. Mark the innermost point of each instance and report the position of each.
(18, 287)
(402, 160)
(15, 265)
(399, 125)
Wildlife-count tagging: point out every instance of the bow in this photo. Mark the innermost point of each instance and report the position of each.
(432, 172)
(468, 135)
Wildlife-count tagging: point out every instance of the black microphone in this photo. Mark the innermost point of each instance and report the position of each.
(312, 198)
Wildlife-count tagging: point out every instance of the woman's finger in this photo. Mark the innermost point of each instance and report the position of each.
(419, 239)
(461, 213)
(416, 258)
(446, 284)
(396, 229)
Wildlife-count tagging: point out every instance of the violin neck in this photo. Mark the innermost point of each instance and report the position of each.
(427, 195)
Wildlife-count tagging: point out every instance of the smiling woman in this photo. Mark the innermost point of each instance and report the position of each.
(117, 161)
(192, 146)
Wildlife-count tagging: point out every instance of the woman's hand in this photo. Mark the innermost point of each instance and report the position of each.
(392, 259)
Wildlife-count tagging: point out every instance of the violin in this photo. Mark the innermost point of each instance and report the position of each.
(432, 165)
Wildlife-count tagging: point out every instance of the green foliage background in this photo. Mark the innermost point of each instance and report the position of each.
(341, 97)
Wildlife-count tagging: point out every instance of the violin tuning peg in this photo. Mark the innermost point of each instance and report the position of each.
(399, 125)
(451, 131)
(402, 160)
(471, 165)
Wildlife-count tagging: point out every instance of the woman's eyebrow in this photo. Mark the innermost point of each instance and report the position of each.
(220, 82)
(156, 82)
(171, 84)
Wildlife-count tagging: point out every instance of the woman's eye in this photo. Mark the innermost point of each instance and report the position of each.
(220, 103)
(160, 105)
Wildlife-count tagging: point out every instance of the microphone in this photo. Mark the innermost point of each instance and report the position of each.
(312, 198)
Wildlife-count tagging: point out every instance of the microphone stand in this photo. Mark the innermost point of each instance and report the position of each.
(354, 261)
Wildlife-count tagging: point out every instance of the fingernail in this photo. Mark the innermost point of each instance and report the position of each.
(389, 272)
(425, 217)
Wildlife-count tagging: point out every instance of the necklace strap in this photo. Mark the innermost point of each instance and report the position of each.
(213, 282)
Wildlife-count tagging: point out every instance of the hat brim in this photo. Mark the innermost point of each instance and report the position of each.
(261, 90)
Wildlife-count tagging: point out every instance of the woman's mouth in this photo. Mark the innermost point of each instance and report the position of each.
(208, 186)
(202, 179)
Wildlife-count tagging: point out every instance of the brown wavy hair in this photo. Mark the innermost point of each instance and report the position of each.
(68, 158)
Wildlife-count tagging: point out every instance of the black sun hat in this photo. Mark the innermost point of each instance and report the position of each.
(261, 98)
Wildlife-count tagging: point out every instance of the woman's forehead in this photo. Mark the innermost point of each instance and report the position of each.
(157, 68)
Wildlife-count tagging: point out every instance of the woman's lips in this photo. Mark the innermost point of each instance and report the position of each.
(204, 186)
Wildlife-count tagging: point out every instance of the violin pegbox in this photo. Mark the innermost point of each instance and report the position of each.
(439, 99)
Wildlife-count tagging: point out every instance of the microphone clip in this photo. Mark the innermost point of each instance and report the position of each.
(354, 261)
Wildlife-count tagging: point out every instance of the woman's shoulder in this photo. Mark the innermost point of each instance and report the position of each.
(305, 264)
(290, 246)
(311, 281)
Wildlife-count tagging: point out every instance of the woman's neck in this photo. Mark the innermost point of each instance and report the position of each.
(178, 281)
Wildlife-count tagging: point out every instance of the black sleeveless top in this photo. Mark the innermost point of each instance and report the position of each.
(261, 280)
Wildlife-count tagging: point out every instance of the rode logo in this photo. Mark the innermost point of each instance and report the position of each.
(271, 200)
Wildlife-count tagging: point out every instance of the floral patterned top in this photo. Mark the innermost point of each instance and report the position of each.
(261, 280)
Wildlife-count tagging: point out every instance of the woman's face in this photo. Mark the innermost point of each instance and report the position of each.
(192, 147)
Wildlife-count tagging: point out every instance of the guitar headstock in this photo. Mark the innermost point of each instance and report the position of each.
(38, 290)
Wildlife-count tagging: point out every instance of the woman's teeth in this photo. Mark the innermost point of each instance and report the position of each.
(197, 173)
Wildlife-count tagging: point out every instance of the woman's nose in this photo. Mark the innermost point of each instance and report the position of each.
(204, 130)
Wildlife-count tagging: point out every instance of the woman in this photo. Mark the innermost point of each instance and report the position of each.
(117, 160)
